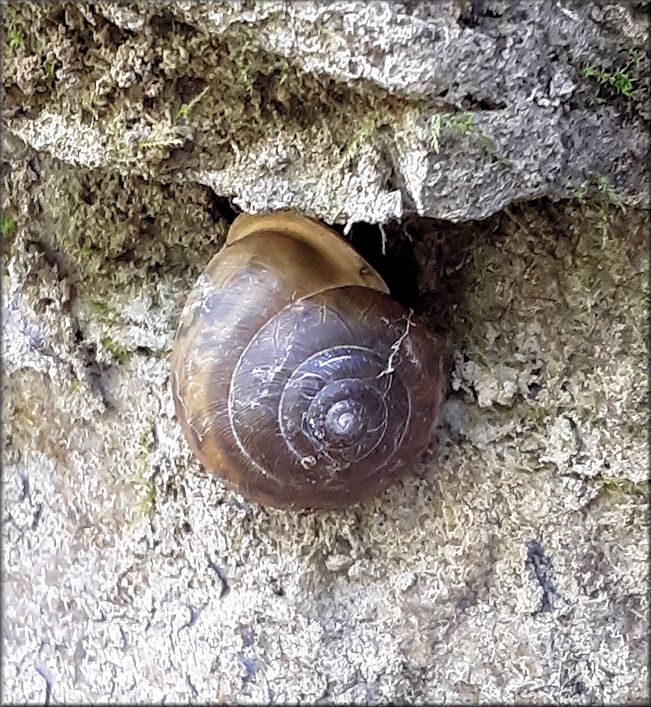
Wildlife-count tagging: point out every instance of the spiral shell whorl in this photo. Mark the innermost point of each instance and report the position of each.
(300, 387)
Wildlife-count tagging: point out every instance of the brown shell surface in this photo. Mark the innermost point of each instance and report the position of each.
(273, 325)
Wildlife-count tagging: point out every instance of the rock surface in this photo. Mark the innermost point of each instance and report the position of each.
(351, 111)
(511, 567)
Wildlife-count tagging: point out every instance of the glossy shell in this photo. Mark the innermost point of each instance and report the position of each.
(295, 376)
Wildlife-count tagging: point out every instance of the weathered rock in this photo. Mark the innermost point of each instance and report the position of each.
(513, 566)
(351, 111)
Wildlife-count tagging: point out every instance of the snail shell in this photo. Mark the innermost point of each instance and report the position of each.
(296, 377)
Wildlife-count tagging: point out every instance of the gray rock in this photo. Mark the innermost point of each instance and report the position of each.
(511, 567)
(449, 110)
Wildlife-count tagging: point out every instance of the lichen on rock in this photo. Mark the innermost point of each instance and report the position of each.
(331, 108)
(507, 181)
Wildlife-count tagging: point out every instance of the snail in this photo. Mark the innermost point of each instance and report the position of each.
(295, 376)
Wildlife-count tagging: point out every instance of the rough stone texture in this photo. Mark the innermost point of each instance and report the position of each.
(512, 567)
(351, 111)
